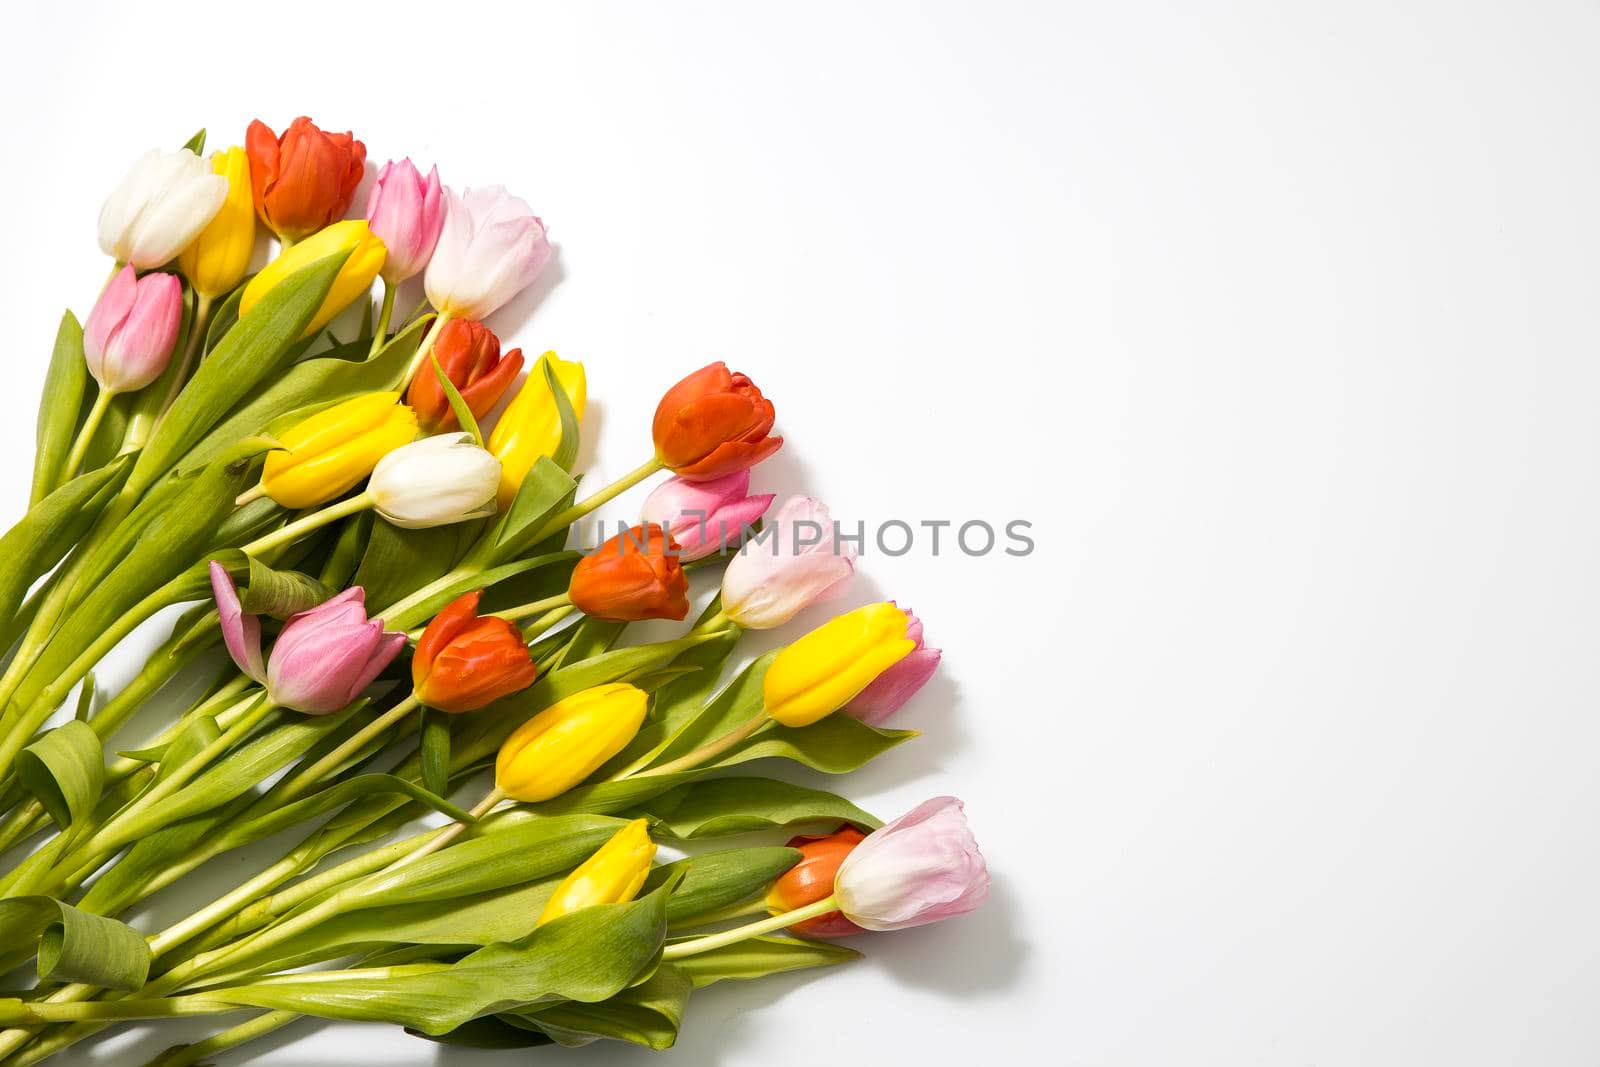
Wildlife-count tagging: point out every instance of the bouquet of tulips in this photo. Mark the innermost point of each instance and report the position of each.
(302, 473)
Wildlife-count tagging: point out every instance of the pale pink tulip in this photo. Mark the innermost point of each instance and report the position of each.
(800, 562)
(704, 516)
(886, 693)
(128, 337)
(322, 659)
(491, 248)
(923, 867)
(406, 212)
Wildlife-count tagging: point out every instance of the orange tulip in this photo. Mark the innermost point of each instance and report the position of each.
(469, 354)
(812, 879)
(634, 576)
(303, 180)
(712, 424)
(465, 661)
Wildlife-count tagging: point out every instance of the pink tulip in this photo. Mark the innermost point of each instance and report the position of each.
(128, 337)
(923, 867)
(800, 562)
(407, 213)
(323, 657)
(491, 248)
(886, 693)
(704, 516)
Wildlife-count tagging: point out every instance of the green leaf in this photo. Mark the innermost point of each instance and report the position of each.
(589, 955)
(75, 946)
(722, 806)
(254, 351)
(458, 406)
(713, 881)
(398, 562)
(647, 1014)
(435, 749)
(345, 556)
(835, 745)
(60, 407)
(545, 490)
(337, 795)
(757, 957)
(280, 594)
(197, 143)
(50, 529)
(65, 771)
(682, 717)
(491, 1032)
(566, 453)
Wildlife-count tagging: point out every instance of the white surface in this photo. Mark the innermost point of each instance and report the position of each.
(1277, 320)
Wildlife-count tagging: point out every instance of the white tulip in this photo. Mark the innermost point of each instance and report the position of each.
(434, 482)
(161, 206)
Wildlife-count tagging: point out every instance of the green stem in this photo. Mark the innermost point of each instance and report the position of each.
(708, 751)
(306, 523)
(755, 929)
(423, 349)
(80, 447)
(577, 511)
(537, 607)
(449, 833)
(296, 787)
(544, 622)
(380, 332)
(261, 1025)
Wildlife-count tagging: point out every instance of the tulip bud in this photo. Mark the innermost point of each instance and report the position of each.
(303, 180)
(465, 661)
(469, 354)
(434, 482)
(818, 674)
(322, 659)
(530, 426)
(923, 867)
(633, 576)
(354, 279)
(216, 260)
(811, 880)
(613, 875)
(407, 213)
(713, 423)
(161, 205)
(569, 741)
(329, 453)
(128, 337)
(491, 248)
(801, 562)
(702, 517)
(886, 693)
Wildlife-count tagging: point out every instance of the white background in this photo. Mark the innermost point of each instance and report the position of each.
(1277, 320)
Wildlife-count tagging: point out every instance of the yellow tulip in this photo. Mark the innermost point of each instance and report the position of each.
(216, 260)
(568, 741)
(531, 426)
(612, 875)
(354, 279)
(331, 451)
(821, 672)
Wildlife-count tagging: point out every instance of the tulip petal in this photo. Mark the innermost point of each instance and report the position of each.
(241, 632)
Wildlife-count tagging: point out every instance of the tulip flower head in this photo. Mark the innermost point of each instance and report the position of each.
(163, 203)
(613, 875)
(811, 880)
(303, 180)
(406, 211)
(634, 576)
(216, 260)
(530, 426)
(128, 337)
(703, 517)
(469, 354)
(435, 482)
(568, 741)
(886, 693)
(465, 661)
(364, 255)
(821, 672)
(713, 423)
(327, 454)
(323, 658)
(491, 248)
(920, 868)
(801, 562)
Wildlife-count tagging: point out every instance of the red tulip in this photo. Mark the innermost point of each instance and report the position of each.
(465, 661)
(634, 576)
(469, 352)
(303, 180)
(712, 424)
(812, 879)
